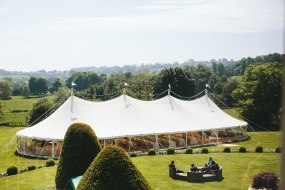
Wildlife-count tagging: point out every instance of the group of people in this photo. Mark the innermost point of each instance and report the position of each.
(209, 166)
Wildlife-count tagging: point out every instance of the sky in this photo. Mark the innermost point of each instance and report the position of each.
(65, 34)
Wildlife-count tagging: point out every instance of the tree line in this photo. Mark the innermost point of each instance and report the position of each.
(251, 84)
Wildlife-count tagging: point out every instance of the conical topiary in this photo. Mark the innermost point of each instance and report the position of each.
(80, 147)
(113, 169)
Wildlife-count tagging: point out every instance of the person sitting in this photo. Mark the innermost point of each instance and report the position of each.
(211, 162)
(209, 165)
(193, 168)
(172, 167)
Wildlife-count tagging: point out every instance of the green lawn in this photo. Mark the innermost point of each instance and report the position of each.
(7, 149)
(238, 168)
(233, 112)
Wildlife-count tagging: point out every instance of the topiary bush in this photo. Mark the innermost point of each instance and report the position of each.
(170, 150)
(259, 149)
(151, 152)
(12, 170)
(204, 151)
(189, 151)
(265, 180)
(278, 150)
(242, 149)
(31, 168)
(113, 169)
(50, 163)
(133, 154)
(227, 149)
(80, 147)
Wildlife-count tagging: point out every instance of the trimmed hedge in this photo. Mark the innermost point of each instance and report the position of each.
(227, 149)
(265, 180)
(189, 151)
(31, 168)
(259, 149)
(50, 163)
(151, 152)
(113, 169)
(242, 149)
(278, 150)
(204, 151)
(80, 147)
(12, 170)
(170, 150)
(133, 154)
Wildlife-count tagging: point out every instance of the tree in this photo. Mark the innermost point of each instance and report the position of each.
(25, 91)
(180, 80)
(259, 95)
(113, 169)
(83, 80)
(40, 111)
(141, 86)
(17, 87)
(55, 85)
(227, 92)
(42, 87)
(202, 76)
(5, 89)
(61, 95)
(80, 147)
(38, 85)
(33, 85)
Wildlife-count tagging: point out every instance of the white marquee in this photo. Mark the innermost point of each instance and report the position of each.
(125, 116)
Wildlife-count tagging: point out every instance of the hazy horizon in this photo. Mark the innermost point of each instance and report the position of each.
(60, 35)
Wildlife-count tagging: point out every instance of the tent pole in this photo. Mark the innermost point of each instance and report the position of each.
(71, 99)
(202, 137)
(217, 136)
(169, 140)
(130, 141)
(156, 146)
(186, 140)
(52, 149)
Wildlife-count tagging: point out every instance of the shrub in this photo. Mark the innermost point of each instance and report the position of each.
(113, 169)
(265, 180)
(151, 152)
(278, 150)
(133, 154)
(259, 149)
(170, 150)
(242, 149)
(50, 163)
(12, 170)
(204, 151)
(227, 149)
(31, 168)
(80, 147)
(189, 151)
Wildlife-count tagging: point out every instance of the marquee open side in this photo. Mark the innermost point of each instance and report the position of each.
(134, 124)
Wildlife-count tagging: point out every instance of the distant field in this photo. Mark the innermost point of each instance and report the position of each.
(238, 168)
(18, 103)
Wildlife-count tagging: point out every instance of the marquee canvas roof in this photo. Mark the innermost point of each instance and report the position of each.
(125, 116)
